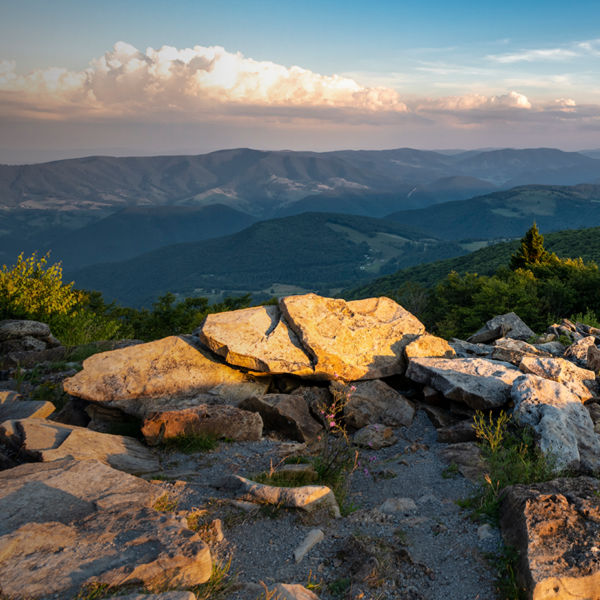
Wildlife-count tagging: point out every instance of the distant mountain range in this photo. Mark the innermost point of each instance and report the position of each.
(508, 214)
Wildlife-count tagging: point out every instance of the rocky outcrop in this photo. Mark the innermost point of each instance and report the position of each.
(563, 424)
(256, 338)
(69, 523)
(49, 441)
(375, 437)
(376, 402)
(580, 381)
(362, 339)
(286, 413)
(555, 527)
(160, 375)
(206, 419)
(21, 340)
(578, 351)
(476, 382)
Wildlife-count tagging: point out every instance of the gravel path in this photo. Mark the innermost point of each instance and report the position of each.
(420, 547)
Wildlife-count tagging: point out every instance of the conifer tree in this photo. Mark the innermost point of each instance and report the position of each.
(531, 251)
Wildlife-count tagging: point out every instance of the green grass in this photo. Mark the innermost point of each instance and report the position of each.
(166, 503)
(511, 457)
(190, 443)
(505, 564)
(219, 585)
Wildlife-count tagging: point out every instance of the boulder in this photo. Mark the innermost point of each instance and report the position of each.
(555, 528)
(509, 325)
(51, 441)
(476, 382)
(512, 351)
(463, 431)
(429, 345)
(15, 328)
(160, 375)
(467, 457)
(578, 352)
(69, 523)
(256, 338)
(468, 350)
(206, 419)
(23, 344)
(375, 437)
(580, 381)
(362, 339)
(376, 402)
(286, 413)
(563, 424)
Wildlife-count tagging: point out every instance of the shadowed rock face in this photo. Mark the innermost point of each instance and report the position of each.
(256, 338)
(362, 339)
(67, 522)
(219, 421)
(555, 526)
(147, 377)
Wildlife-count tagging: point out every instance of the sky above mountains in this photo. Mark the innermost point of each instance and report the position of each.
(132, 77)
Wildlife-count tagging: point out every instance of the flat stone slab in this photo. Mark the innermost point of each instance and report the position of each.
(513, 351)
(17, 328)
(256, 338)
(563, 424)
(70, 523)
(12, 408)
(509, 325)
(581, 382)
(206, 419)
(52, 441)
(476, 382)
(362, 339)
(157, 375)
(555, 527)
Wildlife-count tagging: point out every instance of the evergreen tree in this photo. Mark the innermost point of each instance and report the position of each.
(531, 252)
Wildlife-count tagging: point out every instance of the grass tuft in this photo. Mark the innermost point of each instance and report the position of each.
(190, 443)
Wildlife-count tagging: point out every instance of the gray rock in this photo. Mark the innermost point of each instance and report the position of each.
(593, 359)
(580, 381)
(476, 382)
(286, 413)
(398, 505)
(555, 526)
(509, 325)
(206, 419)
(467, 457)
(460, 432)
(578, 352)
(376, 402)
(306, 497)
(468, 350)
(512, 351)
(18, 328)
(313, 537)
(68, 522)
(563, 424)
(375, 436)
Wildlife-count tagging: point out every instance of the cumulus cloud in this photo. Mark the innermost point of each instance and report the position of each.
(476, 101)
(127, 81)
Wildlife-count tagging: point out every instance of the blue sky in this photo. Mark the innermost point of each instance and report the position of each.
(373, 74)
